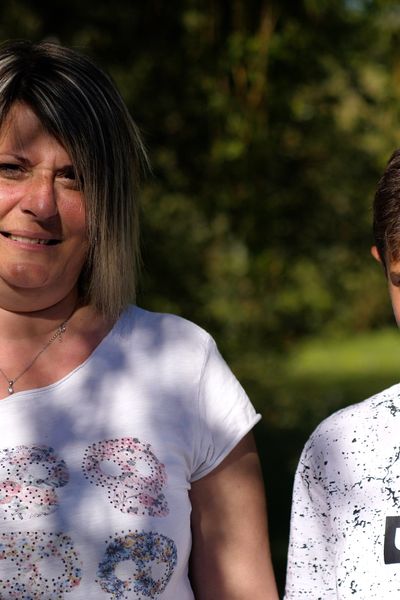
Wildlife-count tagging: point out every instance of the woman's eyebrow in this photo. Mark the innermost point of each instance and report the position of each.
(16, 156)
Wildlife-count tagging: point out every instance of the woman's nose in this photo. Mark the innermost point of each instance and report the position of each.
(40, 198)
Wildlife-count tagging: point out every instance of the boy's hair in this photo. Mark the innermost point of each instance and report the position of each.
(80, 106)
(386, 220)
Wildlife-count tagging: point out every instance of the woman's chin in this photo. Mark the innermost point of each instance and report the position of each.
(31, 298)
(25, 276)
(29, 288)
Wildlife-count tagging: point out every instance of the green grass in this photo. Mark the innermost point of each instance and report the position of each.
(376, 352)
(323, 375)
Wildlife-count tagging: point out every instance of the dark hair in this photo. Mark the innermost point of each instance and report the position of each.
(386, 221)
(80, 106)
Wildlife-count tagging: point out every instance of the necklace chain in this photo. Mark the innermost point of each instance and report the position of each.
(57, 334)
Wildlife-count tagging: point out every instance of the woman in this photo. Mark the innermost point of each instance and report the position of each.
(125, 450)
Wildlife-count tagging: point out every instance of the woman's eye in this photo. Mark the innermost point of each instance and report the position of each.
(10, 170)
(69, 176)
(68, 173)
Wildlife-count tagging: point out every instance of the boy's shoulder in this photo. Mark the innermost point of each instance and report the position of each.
(382, 404)
(370, 420)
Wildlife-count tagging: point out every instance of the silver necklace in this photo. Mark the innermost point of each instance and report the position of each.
(57, 334)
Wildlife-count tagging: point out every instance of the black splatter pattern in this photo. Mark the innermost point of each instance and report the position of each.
(347, 486)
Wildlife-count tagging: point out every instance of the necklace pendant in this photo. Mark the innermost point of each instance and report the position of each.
(57, 334)
(60, 332)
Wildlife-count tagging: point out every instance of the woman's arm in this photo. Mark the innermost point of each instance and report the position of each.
(230, 556)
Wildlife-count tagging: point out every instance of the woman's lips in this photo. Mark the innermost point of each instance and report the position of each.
(30, 240)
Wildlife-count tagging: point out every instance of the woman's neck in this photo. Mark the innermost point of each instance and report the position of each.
(30, 353)
(16, 325)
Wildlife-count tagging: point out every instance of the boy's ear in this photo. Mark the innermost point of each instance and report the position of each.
(375, 253)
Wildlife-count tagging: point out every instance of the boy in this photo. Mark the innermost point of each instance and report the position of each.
(345, 527)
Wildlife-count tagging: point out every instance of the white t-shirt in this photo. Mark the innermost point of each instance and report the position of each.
(345, 527)
(95, 469)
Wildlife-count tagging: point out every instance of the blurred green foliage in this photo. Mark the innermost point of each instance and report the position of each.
(268, 124)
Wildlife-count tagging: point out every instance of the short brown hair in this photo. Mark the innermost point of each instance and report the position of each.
(386, 220)
(80, 106)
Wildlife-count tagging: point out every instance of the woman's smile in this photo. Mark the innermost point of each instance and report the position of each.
(30, 239)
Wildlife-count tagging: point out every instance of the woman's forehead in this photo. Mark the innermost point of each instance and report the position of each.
(22, 133)
(21, 125)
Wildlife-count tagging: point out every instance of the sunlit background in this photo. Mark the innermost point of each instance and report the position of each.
(268, 124)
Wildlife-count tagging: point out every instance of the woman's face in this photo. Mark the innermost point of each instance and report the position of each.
(43, 241)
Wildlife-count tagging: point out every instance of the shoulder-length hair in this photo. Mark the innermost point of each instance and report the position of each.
(80, 106)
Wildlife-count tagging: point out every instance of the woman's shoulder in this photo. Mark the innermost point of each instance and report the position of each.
(162, 329)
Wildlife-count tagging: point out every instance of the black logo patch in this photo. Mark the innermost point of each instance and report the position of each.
(391, 552)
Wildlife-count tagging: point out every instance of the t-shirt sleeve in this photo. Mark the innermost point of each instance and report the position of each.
(310, 570)
(225, 414)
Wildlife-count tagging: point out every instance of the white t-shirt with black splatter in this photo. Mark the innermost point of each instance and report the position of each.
(95, 469)
(345, 526)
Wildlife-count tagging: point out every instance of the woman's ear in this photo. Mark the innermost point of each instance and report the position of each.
(375, 253)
